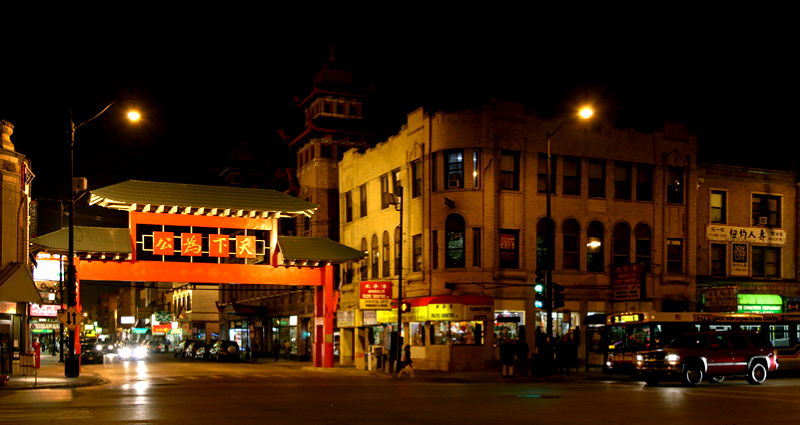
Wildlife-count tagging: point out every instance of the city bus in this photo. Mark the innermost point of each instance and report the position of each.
(627, 333)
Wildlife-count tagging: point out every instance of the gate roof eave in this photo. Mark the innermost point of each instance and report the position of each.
(102, 240)
(181, 198)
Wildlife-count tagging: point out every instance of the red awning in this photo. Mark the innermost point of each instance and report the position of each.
(452, 299)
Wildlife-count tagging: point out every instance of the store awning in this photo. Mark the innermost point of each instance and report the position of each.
(452, 299)
(16, 285)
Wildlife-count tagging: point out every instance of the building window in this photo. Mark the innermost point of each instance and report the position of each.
(509, 249)
(397, 251)
(509, 170)
(416, 242)
(571, 180)
(386, 255)
(644, 182)
(326, 151)
(454, 239)
(545, 244)
(374, 257)
(434, 172)
(594, 247)
(675, 185)
(384, 191)
(621, 244)
(454, 169)
(395, 181)
(597, 178)
(570, 230)
(718, 206)
(675, 256)
(435, 249)
(476, 246)
(362, 200)
(622, 180)
(766, 210)
(719, 259)
(765, 261)
(476, 164)
(643, 245)
(348, 273)
(541, 173)
(348, 206)
(416, 175)
(364, 266)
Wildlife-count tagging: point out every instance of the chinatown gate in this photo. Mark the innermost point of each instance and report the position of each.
(212, 234)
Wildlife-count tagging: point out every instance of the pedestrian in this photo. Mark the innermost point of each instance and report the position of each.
(521, 353)
(276, 349)
(507, 358)
(563, 354)
(287, 348)
(407, 367)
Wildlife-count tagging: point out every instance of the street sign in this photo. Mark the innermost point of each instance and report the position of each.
(70, 317)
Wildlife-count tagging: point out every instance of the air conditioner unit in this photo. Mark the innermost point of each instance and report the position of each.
(454, 183)
(762, 220)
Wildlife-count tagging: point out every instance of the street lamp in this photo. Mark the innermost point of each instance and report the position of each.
(584, 113)
(71, 363)
(397, 201)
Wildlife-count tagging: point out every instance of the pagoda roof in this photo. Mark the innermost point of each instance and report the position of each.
(300, 251)
(113, 241)
(181, 198)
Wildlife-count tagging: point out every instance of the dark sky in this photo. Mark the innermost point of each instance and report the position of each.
(205, 87)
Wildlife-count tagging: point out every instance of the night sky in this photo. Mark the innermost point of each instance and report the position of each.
(207, 87)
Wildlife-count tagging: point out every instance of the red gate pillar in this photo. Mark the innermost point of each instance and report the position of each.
(325, 301)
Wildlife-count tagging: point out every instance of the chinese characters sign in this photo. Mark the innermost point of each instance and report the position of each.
(211, 245)
(45, 310)
(376, 295)
(627, 282)
(716, 232)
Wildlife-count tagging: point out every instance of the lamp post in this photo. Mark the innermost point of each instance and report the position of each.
(584, 114)
(398, 206)
(71, 363)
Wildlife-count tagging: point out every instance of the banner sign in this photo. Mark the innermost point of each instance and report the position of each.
(45, 310)
(345, 318)
(627, 282)
(376, 296)
(162, 329)
(717, 232)
(739, 259)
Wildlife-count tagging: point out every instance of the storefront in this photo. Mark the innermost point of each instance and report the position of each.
(448, 332)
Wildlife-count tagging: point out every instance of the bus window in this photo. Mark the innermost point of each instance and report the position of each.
(715, 327)
(639, 337)
(751, 328)
(779, 335)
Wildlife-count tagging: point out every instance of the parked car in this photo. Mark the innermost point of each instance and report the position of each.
(158, 345)
(225, 351)
(711, 355)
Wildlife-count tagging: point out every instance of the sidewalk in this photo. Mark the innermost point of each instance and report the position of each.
(51, 375)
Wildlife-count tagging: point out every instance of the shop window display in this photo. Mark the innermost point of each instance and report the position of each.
(457, 333)
(417, 333)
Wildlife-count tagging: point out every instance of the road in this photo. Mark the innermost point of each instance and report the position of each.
(169, 391)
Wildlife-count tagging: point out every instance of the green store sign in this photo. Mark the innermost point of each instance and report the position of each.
(759, 303)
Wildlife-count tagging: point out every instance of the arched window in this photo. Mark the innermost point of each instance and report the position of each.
(571, 249)
(365, 261)
(644, 246)
(397, 251)
(545, 244)
(454, 239)
(594, 247)
(374, 257)
(621, 244)
(385, 254)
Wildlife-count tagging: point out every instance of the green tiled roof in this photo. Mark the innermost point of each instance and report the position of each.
(137, 195)
(88, 239)
(296, 248)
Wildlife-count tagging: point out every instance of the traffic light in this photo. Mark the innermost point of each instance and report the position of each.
(539, 279)
(558, 295)
(541, 298)
(405, 307)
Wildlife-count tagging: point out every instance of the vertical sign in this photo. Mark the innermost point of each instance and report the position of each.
(218, 245)
(245, 246)
(739, 259)
(191, 244)
(163, 243)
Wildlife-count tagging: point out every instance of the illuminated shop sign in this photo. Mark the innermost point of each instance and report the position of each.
(127, 320)
(759, 303)
(162, 329)
(376, 295)
(139, 330)
(45, 310)
(47, 269)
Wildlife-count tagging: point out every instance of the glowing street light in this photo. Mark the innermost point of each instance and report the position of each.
(72, 362)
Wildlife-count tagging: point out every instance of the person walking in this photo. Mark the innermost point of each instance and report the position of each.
(507, 358)
(521, 353)
(287, 348)
(276, 349)
(407, 368)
